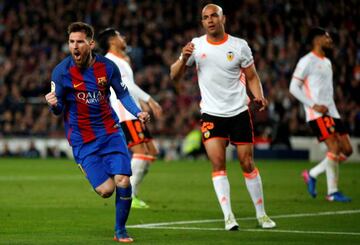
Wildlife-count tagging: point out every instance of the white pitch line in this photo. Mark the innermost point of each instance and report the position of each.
(153, 225)
(251, 230)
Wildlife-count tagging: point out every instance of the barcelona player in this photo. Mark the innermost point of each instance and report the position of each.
(80, 90)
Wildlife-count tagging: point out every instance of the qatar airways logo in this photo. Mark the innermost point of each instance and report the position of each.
(94, 97)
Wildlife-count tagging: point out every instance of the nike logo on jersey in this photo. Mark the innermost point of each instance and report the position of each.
(77, 85)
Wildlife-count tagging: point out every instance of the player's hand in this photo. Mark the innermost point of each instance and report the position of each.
(187, 50)
(143, 116)
(155, 107)
(260, 103)
(51, 99)
(320, 108)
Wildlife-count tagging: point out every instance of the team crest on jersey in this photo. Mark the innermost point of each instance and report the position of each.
(102, 81)
(230, 55)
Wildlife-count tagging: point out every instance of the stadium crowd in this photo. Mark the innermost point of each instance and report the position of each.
(32, 42)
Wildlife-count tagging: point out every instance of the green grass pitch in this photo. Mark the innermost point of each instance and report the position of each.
(49, 201)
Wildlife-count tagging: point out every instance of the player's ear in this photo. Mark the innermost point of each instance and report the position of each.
(92, 43)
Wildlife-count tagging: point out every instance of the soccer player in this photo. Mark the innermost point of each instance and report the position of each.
(312, 85)
(80, 89)
(223, 61)
(138, 137)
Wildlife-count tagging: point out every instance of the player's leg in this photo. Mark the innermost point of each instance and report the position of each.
(241, 135)
(332, 170)
(139, 167)
(215, 149)
(122, 204)
(136, 136)
(215, 138)
(322, 129)
(345, 147)
(254, 184)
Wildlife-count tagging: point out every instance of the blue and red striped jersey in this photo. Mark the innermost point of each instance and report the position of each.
(83, 97)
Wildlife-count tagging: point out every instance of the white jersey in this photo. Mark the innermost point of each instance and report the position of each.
(221, 81)
(314, 75)
(127, 76)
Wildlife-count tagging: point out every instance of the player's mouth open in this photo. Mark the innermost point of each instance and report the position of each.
(77, 55)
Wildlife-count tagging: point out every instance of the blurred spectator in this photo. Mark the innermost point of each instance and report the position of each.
(32, 152)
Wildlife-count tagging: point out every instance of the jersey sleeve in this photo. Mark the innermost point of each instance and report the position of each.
(56, 86)
(301, 70)
(134, 89)
(297, 82)
(122, 92)
(246, 55)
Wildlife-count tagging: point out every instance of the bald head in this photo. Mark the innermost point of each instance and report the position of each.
(217, 8)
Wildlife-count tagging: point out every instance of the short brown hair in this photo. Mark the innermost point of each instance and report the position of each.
(81, 27)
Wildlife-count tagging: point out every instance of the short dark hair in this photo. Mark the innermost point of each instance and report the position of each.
(81, 27)
(315, 32)
(104, 36)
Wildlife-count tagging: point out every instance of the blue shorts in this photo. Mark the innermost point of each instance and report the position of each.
(103, 158)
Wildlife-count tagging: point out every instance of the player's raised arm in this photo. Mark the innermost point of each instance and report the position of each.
(178, 68)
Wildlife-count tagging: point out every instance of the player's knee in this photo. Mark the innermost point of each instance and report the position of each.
(105, 192)
(122, 181)
(348, 151)
(247, 163)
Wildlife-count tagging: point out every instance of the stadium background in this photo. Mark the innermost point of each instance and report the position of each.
(33, 40)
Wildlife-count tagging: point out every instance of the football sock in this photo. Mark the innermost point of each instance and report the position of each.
(319, 168)
(254, 186)
(122, 207)
(139, 168)
(332, 172)
(222, 190)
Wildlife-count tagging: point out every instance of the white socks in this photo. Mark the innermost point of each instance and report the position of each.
(330, 165)
(139, 169)
(222, 189)
(319, 168)
(332, 172)
(254, 186)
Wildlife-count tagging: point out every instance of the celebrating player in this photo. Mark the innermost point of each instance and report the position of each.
(222, 63)
(80, 90)
(312, 85)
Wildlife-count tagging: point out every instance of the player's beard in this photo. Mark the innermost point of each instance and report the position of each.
(84, 60)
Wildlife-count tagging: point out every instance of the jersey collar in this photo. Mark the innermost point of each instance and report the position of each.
(226, 37)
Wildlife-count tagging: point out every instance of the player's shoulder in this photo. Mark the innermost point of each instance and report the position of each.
(120, 62)
(237, 41)
(64, 65)
(198, 40)
(103, 59)
(306, 59)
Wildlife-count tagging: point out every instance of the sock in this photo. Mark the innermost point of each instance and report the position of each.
(254, 186)
(122, 207)
(332, 172)
(222, 190)
(319, 168)
(139, 168)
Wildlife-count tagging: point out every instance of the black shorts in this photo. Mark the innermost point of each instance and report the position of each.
(237, 129)
(325, 126)
(135, 132)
